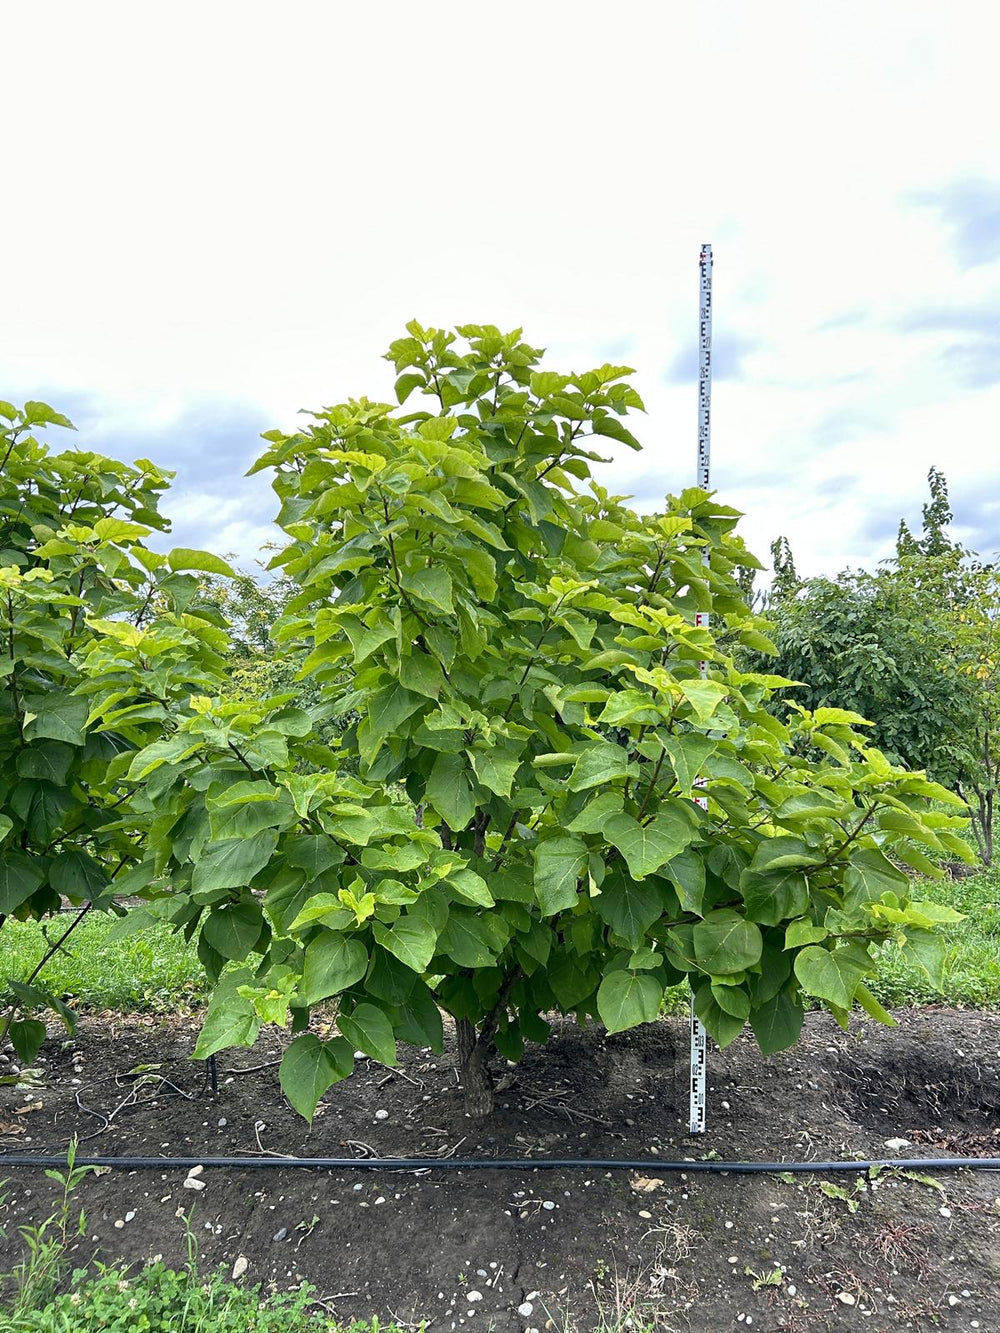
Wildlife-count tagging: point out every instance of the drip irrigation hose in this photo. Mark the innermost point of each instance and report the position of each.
(715, 1167)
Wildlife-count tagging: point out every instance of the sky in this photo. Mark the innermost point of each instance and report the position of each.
(217, 215)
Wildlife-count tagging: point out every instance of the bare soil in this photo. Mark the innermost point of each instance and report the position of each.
(466, 1249)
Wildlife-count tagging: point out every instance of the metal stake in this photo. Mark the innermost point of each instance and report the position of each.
(699, 1042)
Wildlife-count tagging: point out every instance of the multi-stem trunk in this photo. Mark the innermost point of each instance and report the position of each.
(477, 1082)
(474, 1048)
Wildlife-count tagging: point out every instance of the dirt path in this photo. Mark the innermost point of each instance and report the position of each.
(467, 1249)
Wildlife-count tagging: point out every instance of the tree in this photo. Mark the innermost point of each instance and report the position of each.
(508, 829)
(911, 647)
(75, 574)
(880, 645)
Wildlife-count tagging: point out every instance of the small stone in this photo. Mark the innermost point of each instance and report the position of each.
(945, 1212)
(953, 1300)
(119, 1224)
(129, 1215)
(474, 1296)
(733, 1259)
(896, 1144)
(380, 1199)
(525, 1309)
(548, 1205)
(845, 1298)
(193, 1183)
(531, 1296)
(729, 1226)
(280, 1234)
(643, 1213)
(223, 1122)
(791, 1289)
(381, 1115)
(196, 1171)
(724, 1105)
(240, 1267)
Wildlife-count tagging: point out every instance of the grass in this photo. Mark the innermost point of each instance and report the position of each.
(156, 971)
(43, 1294)
(152, 971)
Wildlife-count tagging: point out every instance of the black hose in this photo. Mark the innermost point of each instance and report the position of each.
(500, 1164)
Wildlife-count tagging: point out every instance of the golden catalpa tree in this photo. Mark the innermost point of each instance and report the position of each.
(507, 828)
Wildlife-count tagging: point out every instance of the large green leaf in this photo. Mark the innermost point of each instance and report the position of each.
(450, 791)
(74, 874)
(333, 962)
(60, 717)
(559, 863)
(232, 929)
(869, 875)
(411, 938)
(471, 939)
(370, 1031)
(20, 876)
(725, 943)
(628, 907)
(774, 896)
(777, 1023)
(46, 759)
(626, 999)
(431, 585)
(600, 763)
(723, 1026)
(928, 951)
(687, 753)
(232, 863)
(648, 847)
(418, 1020)
(704, 696)
(829, 974)
(230, 1020)
(783, 852)
(309, 1067)
(203, 562)
(496, 767)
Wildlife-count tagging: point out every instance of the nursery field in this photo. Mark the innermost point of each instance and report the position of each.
(585, 1249)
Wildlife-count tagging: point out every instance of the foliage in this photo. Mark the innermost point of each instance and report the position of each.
(508, 828)
(159, 1299)
(44, 1297)
(75, 577)
(881, 646)
(912, 648)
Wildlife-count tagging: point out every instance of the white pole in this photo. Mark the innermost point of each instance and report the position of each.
(699, 1043)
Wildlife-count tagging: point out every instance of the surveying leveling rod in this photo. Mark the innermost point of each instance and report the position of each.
(699, 1051)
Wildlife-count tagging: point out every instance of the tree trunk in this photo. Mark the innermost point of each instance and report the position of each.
(477, 1082)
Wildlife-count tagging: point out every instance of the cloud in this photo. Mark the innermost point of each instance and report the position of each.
(974, 361)
(970, 209)
(208, 444)
(729, 352)
(846, 319)
(845, 425)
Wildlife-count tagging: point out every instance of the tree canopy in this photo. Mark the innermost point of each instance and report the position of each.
(506, 828)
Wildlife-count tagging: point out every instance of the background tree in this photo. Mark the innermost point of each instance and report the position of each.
(75, 573)
(911, 647)
(507, 830)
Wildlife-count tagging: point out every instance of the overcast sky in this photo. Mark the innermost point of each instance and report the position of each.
(216, 214)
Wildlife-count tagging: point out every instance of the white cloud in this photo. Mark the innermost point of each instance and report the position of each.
(243, 203)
